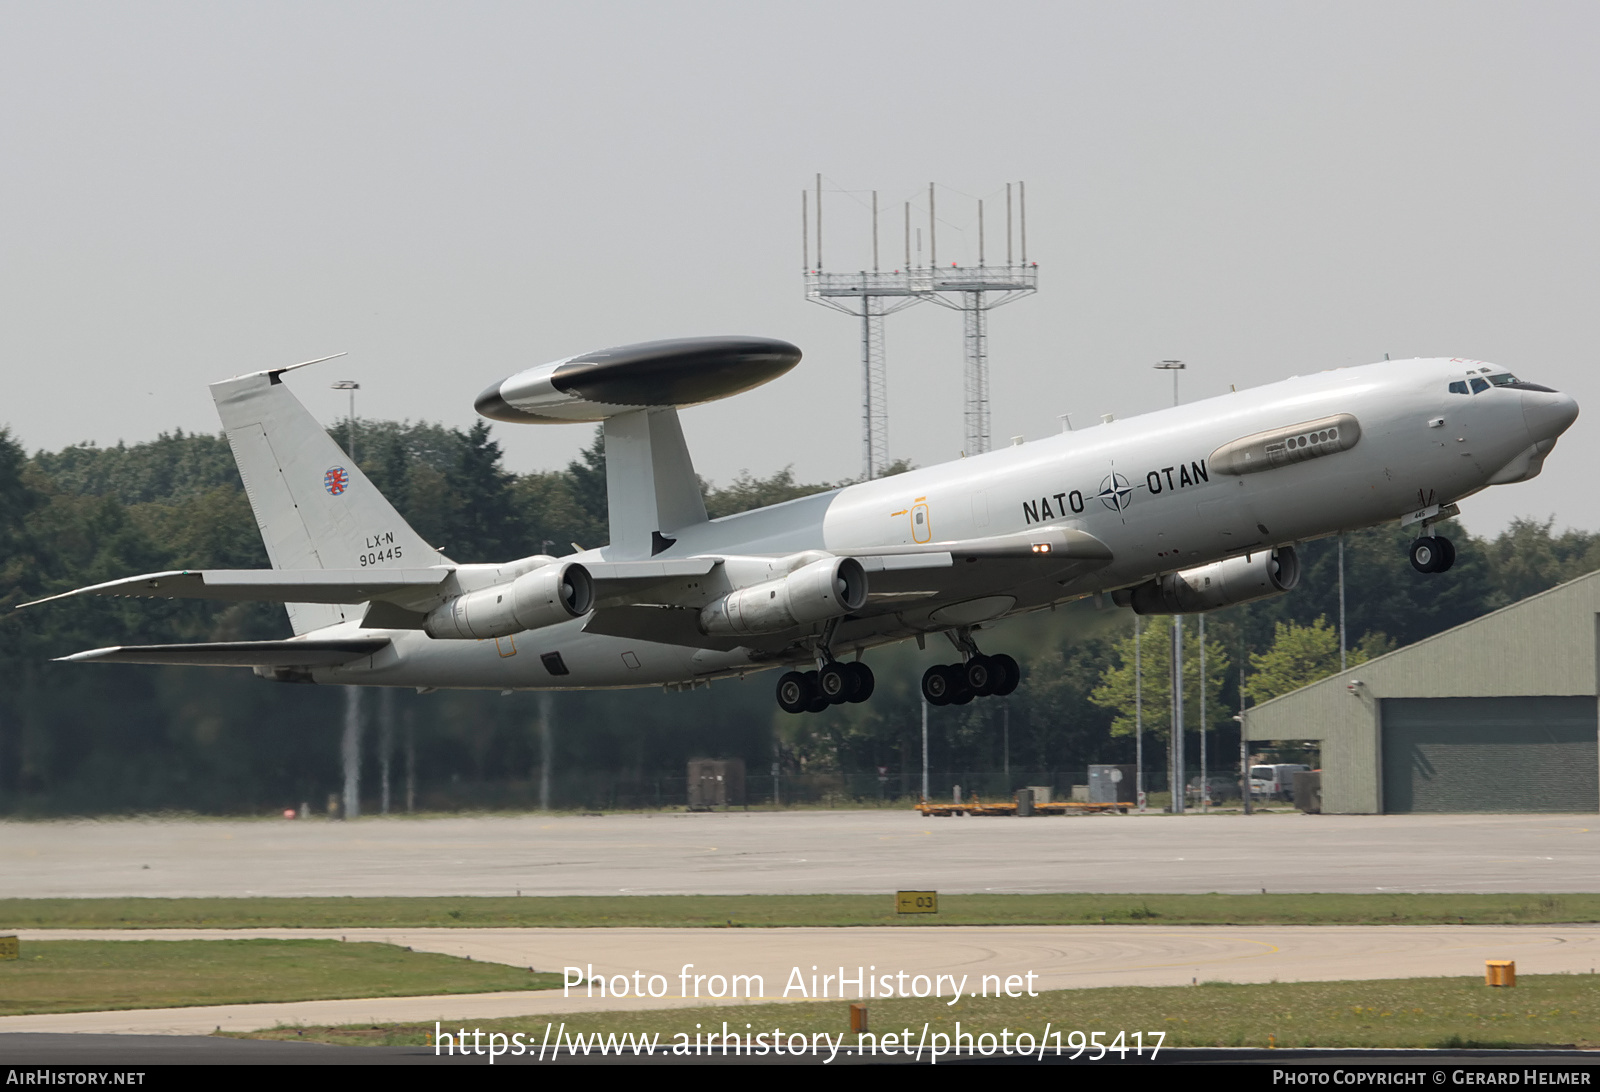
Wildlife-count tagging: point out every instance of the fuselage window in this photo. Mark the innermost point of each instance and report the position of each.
(1479, 386)
(1459, 387)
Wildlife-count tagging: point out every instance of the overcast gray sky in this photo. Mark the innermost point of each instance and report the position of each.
(453, 192)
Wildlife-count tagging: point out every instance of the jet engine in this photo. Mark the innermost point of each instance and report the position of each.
(543, 597)
(1221, 584)
(830, 588)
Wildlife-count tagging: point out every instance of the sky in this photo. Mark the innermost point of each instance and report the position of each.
(450, 193)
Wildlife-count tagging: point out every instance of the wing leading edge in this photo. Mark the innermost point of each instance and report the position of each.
(266, 585)
(290, 653)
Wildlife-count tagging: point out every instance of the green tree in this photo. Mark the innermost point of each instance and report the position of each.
(587, 474)
(1154, 638)
(1299, 656)
(486, 526)
(1527, 558)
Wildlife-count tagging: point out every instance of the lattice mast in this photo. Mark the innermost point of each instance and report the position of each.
(868, 296)
(975, 292)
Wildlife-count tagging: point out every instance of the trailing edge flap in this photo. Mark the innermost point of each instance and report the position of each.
(626, 583)
(660, 625)
(291, 653)
(269, 585)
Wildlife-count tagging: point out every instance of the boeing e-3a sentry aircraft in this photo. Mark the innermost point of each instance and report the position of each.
(1184, 510)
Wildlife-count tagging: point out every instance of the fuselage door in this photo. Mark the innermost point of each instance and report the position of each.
(921, 525)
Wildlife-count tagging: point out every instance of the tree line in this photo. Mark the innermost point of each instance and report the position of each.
(93, 739)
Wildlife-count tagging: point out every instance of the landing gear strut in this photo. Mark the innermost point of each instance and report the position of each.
(834, 682)
(976, 676)
(1432, 554)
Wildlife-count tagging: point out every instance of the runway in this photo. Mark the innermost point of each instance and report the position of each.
(1057, 958)
(801, 852)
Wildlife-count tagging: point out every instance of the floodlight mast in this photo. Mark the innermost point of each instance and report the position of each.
(1175, 767)
(871, 296)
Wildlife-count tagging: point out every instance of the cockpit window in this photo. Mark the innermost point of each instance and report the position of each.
(1458, 387)
(1479, 386)
(1506, 379)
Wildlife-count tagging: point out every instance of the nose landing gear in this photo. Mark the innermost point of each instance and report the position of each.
(1432, 554)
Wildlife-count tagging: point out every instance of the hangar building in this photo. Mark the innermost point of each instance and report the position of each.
(1498, 714)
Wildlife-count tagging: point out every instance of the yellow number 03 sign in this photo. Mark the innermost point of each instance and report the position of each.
(916, 902)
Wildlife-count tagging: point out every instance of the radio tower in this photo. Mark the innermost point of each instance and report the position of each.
(868, 296)
(974, 291)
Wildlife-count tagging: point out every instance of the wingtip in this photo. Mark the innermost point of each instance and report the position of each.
(83, 657)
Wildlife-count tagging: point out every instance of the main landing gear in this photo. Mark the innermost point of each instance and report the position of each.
(834, 683)
(1432, 554)
(976, 676)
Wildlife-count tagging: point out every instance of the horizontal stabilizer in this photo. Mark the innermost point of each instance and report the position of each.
(292, 653)
(267, 585)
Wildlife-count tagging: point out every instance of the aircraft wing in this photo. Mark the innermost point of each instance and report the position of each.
(267, 585)
(628, 583)
(910, 580)
(291, 653)
(960, 569)
(1045, 544)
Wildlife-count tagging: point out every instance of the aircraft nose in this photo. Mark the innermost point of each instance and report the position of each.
(1548, 414)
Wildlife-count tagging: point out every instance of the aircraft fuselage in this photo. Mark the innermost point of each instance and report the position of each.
(1150, 488)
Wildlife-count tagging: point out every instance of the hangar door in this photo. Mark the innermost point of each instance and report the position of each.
(1490, 754)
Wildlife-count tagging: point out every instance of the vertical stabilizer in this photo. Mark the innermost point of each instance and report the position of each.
(651, 486)
(315, 508)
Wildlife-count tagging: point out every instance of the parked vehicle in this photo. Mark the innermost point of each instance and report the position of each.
(1219, 787)
(1276, 780)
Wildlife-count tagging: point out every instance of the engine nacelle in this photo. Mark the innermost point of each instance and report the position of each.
(830, 588)
(1221, 584)
(547, 595)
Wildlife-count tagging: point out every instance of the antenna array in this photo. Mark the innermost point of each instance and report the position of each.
(972, 290)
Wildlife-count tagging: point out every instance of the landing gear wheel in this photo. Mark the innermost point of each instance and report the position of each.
(865, 682)
(1431, 554)
(836, 682)
(794, 694)
(1007, 674)
(819, 701)
(979, 675)
(936, 685)
(962, 694)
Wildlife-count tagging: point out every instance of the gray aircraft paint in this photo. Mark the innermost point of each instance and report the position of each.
(1119, 504)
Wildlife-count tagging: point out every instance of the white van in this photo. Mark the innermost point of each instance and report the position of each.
(1275, 780)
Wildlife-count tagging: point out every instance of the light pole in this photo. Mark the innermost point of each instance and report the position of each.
(352, 386)
(1205, 785)
(350, 747)
(1138, 718)
(1173, 366)
(1175, 761)
(1341, 604)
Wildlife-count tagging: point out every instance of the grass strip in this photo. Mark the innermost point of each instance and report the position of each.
(1542, 1011)
(724, 911)
(94, 975)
